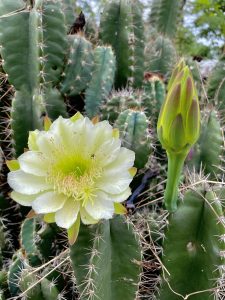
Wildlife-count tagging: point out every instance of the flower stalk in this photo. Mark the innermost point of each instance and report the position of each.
(175, 166)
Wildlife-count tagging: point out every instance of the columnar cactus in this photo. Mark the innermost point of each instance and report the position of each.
(122, 27)
(133, 126)
(193, 248)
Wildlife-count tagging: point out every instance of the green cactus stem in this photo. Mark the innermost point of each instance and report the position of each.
(193, 248)
(137, 44)
(114, 30)
(106, 266)
(175, 166)
(78, 71)
(133, 126)
(102, 80)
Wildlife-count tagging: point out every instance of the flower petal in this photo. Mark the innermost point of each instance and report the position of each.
(108, 151)
(114, 181)
(63, 130)
(120, 197)
(49, 202)
(25, 200)
(32, 140)
(86, 218)
(67, 215)
(27, 184)
(124, 160)
(101, 208)
(102, 132)
(47, 143)
(33, 163)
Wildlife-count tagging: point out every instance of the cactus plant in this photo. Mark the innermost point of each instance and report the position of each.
(164, 16)
(193, 242)
(79, 67)
(102, 80)
(107, 261)
(205, 156)
(133, 128)
(122, 25)
(216, 84)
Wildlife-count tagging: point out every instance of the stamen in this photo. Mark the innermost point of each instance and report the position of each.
(75, 176)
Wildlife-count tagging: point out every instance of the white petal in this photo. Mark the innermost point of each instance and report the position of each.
(32, 140)
(27, 184)
(67, 215)
(63, 130)
(124, 160)
(120, 197)
(114, 185)
(74, 136)
(83, 136)
(47, 143)
(33, 163)
(108, 151)
(25, 200)
(86, 218)
(49, 202)
(100, 208)
(102, 132)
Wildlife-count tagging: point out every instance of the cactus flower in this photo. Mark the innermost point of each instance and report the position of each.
(74, 170)
(178, 127)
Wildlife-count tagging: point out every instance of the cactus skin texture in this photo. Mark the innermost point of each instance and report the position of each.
(216, 85)
(208, 150)
(54, 103)
(105, 268)
(120, 101)
(122, 27)
(164, 16)
(193, 247)
(149, 99)
(29, 241)
(137, 45)
(160, 55)
(79, 66)
(114, 24)
(14, 273)
(153, 96)
(26, 280)
(25, 114)
(102, 80)
(133, 127)
(54, 39)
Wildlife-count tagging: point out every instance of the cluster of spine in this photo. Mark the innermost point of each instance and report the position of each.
(148, 99)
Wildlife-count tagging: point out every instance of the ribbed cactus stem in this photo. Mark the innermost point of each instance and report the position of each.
(175, 166)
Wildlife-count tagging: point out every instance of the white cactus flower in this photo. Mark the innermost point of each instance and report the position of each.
(74, 170)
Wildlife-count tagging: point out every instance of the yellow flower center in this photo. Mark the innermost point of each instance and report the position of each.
(74, 175)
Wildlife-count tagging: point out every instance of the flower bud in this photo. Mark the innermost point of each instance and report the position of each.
(178, 127)
(179, 120)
